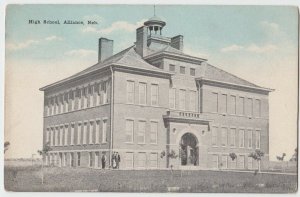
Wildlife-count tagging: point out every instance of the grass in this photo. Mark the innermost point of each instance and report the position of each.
(18, 178)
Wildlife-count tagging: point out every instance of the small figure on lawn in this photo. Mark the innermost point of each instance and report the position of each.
(114, 160)
(118, 158)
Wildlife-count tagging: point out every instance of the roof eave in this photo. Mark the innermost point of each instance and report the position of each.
(233, 84)
(175, 55)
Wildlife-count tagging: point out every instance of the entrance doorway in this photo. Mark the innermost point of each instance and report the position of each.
(189, 151)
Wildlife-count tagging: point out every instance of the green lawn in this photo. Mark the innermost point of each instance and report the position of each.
(68, 179)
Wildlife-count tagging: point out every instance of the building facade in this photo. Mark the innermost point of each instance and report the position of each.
(157, 107)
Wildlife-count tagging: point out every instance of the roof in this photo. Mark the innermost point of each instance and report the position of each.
(127, 58)
(169, 50)
(211, 72)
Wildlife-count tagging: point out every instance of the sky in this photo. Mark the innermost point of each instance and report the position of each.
(256, 43)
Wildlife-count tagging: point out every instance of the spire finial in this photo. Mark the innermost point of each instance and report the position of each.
(154, 9)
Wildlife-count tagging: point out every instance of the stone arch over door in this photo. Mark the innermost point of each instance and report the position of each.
(188, 143)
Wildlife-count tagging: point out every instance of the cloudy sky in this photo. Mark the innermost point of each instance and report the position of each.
(258, 44)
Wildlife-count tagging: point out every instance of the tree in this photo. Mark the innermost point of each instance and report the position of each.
(295, 155)
(43, 153)
(281, 158)
(232, 156)
(6, 145)
(257, 155)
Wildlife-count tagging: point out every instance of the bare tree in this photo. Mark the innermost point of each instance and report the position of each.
(295, 155)
(43, 153)
(257, 155)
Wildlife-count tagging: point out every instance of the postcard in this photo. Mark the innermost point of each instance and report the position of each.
(151, 98)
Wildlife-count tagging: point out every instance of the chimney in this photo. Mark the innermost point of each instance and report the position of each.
(105, 49)
(141, 40)
(177, 42)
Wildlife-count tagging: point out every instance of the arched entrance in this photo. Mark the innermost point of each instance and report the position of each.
(189, 151)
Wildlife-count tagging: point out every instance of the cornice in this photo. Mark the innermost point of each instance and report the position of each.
(234, 86)
(174, 56)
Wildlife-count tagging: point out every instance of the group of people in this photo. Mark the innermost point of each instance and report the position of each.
(115, 160)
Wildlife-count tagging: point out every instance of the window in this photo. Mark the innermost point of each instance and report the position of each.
(153, 160)
(85, 98)
(72, 160)
(224, 136)
(232, 163)
(47, 135)
(154, 94)
(182, 70)
(240, 106)
(232, 105)
(90, 159)
(52, 137)
(172, 98)
(66, 103)
(257, 108)
(223, 104)
(249, 105)
(241, 161)
(79, 134)
(72, 100)
(214, 101)
(105, 97)
(142, 93)
(61, 134)
(172, 68)
(96, 159)
(215, 161)
(63, 159)
(79, 99)
(72, 135)
(242, 138)
(193, 100)
(232, 137)
(91, 131)
(56, 105)
(153, 132)
(56, 136)
(214, 139)
(97, 134)
(91, 96)
(104, 131)
(129, 160)
(250, 163)
(141, 160)
(67, 133)
(182, 99)
(129, 131)
(97, 94)
(249, 139)
(130, 92)
(61, 104)
(192, 71)
(141, 132)
(78, 159)
(257, 138)
(224, 161)
(52, 107)
(84, 140)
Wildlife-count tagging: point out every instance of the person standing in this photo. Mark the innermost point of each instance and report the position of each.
(118, 158)
(103, 160)
(114, 161)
